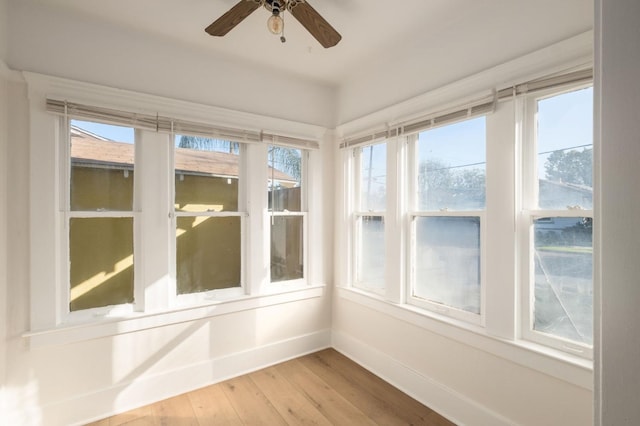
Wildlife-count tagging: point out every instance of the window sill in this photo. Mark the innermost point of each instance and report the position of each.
(111, 326)
(564, 366)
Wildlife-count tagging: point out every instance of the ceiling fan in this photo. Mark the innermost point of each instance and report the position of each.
(319, 28)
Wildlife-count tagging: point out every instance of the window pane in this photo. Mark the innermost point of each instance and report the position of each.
(286, 248)
(565, 150)
(207, 173)
(452, 167)
(285, 179)
(102, 159)
(373, 178)
(208, 253)
(101, 262)
(563, 258)
(371, 253)
(447, 261)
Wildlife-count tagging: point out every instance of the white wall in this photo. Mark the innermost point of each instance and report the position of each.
(466, 384)
(3, 228)
(4, 74)
(4, 31)
(459, 47)
(618, 130)
(50, 40)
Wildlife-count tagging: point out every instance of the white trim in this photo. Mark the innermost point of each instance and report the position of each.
(107, 97)
(71, 333)
(442, 399)
(575, 52)
(555, 363)
(138, 392)
(529, 213)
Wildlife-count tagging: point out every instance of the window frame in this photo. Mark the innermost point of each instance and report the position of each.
(412, 171)
(503, 294)
(67, 214)
(203, 297)
(154, 304)
(284, 285)
(358, 215)
(529, 212)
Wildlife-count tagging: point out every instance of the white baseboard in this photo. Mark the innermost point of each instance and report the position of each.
(447, 402)
(127, 396)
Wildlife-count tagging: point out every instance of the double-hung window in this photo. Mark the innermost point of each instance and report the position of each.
(287, 210)
(557, 219)
(447, 168)
(370, 191)
(209, 216)
(143, 216)
(99, 206)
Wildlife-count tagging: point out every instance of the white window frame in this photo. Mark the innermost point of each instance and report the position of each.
(204, 297)
(64, 292)
(357, 216)
(528, 214)
(413, 214)
(304, 213)
(154, 289)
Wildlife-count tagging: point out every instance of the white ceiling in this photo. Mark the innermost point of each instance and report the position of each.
(371, 30)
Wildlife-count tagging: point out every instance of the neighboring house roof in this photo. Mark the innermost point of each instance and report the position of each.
(94, 151)
(583, 189)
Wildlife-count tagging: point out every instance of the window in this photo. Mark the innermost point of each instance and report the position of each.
(446, 216)
(369, 216)
(476, 218)
(208, 215)
(558, 215)
(207, 220)
(287, 209)
(140, 219)
(100, 215)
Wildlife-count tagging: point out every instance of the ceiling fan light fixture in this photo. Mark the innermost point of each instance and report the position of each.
(310, 19)
(275, 24)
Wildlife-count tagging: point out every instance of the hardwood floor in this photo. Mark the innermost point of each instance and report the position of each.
(323, 388)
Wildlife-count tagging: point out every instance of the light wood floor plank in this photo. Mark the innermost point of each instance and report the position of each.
(250, 403)
(291, 404)
(138, 417)
(382, 405)
(212, 407)
(176, 411)
(399, 403)
(329, 402)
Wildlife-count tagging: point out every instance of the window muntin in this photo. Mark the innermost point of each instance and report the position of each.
(100, 215)
(287, 209)
(369, 226)
(559, 282)
(208, 222)
(448, 199)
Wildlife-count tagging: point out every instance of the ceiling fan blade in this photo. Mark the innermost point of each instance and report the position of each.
(233, 17)
(315, 24)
